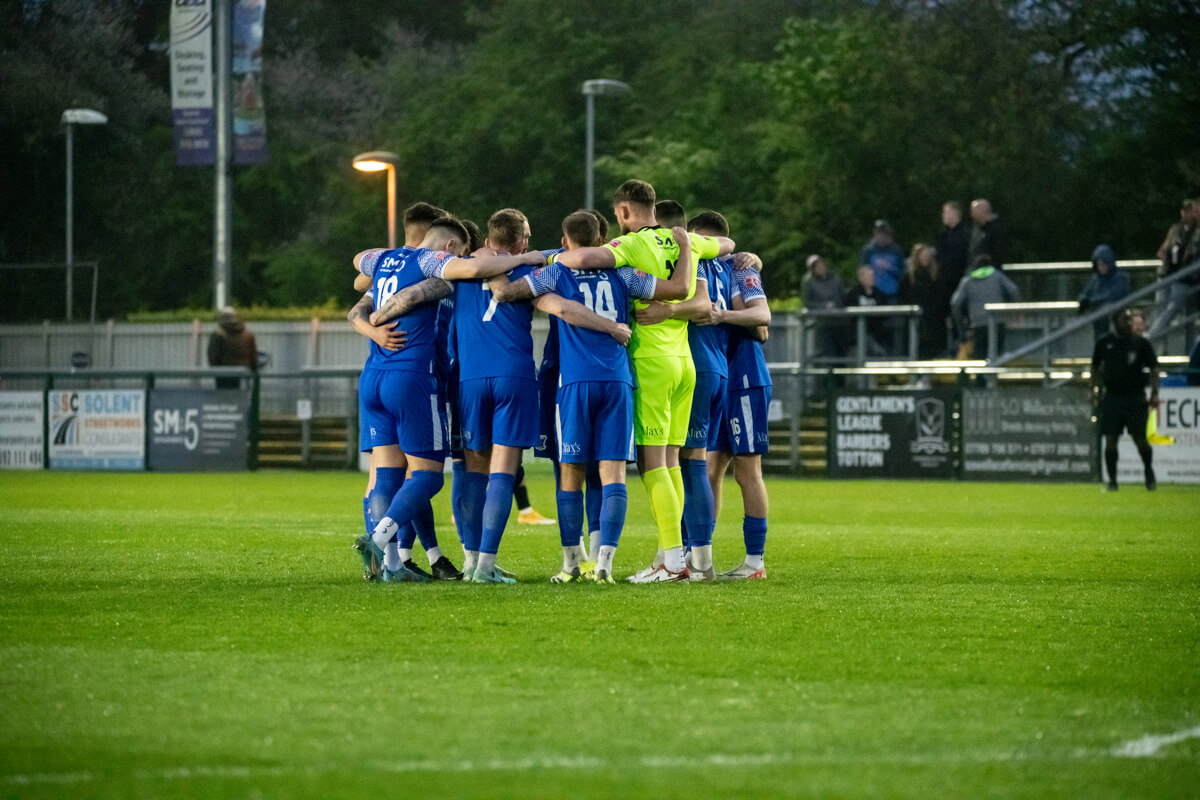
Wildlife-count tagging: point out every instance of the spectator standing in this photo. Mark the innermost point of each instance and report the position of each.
(982, 285)
(231, 345)
(1108, 284)
(923, 286)
(987, 238)
(823, 290)
(863, 294)
(953, 244)
(1180, 248)
(886, 260)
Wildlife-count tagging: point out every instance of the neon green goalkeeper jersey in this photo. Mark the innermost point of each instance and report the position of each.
(654, 251)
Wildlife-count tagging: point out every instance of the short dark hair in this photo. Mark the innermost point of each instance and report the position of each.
(474, 234)
(669, 213)
(634, 191)
(506, 227)
(709, 221)
(423, 213)
(452, 225)
(601, 220)
(582, 229)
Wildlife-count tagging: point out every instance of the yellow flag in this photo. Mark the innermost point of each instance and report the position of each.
(1152, 435)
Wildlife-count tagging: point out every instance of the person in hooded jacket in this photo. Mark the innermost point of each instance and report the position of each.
(231, 345)
(982, 285)
(1108, 284)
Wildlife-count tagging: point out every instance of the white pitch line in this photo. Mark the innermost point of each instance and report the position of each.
(1148, 746)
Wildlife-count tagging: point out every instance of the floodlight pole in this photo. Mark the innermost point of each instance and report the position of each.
(591, 88)
(71, 117)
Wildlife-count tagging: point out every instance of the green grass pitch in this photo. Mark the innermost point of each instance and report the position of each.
(210, 636)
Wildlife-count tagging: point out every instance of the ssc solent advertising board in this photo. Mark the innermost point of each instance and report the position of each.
(1179, 419)
(21, 434)
(892, 435)
(97, 429)
(197, 430)
(1023, 434)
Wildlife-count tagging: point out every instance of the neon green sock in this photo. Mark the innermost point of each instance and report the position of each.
(667, 506)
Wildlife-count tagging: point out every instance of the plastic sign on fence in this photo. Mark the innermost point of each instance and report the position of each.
(198, 429)
(22, 441)
(1021, 434)
(1178, 418)
(97, 429)
(892, 435)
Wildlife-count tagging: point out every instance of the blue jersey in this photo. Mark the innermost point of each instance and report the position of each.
(549, 365)
(445, 335)
(584, 354)
(710, 342)
(747, 365)
(393, 270)
(495, 340)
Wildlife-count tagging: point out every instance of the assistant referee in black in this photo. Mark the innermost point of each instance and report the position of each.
(1122, 364)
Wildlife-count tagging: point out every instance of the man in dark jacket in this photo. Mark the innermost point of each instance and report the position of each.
(1109, 283)
(231, 345)
(986, 237)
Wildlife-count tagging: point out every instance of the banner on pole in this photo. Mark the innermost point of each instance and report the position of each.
(192, 82)
(249, 116)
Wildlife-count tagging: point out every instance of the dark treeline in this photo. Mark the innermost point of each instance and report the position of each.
(801, 121)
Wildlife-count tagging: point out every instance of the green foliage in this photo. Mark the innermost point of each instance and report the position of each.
(800, 121)
(209, 636)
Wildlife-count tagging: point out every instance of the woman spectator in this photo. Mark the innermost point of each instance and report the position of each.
(923, 286)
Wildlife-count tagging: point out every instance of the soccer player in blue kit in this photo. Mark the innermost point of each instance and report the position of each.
(404, 405)
(498, 392)
(594, 408)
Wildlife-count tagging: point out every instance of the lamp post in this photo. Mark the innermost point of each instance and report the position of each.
(71, 117)
(375, 161)
(590, 90)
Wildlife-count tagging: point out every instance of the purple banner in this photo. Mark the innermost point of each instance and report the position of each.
(249, 116)
(195, 136)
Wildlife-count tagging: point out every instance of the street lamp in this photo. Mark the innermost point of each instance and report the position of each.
(590, 90)
(70, 117)
(375, 161)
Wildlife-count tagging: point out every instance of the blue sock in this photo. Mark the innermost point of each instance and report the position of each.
(388, 481)
(594, 491)
(414, 495)
(425, 529)
(459, 469)
(474, 494)
(754, 532)
(570, 517)
(612, 513)
(496, 508)
(367, 513)
(698, 502)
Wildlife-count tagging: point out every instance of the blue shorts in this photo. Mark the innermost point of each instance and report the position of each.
(500, 411)
(744, 429)
(595, 422)
(547, 446)
(405, 409)
(708, 407)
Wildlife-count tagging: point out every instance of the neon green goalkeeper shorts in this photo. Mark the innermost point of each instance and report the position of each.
(662, 403)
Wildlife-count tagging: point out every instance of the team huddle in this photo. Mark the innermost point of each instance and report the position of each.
(654, 355)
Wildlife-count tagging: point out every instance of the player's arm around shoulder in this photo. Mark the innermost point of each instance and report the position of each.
(535, 284)
(386, 336)
(485, 266)
(589, 258)
(408, 298)
(579, 315)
